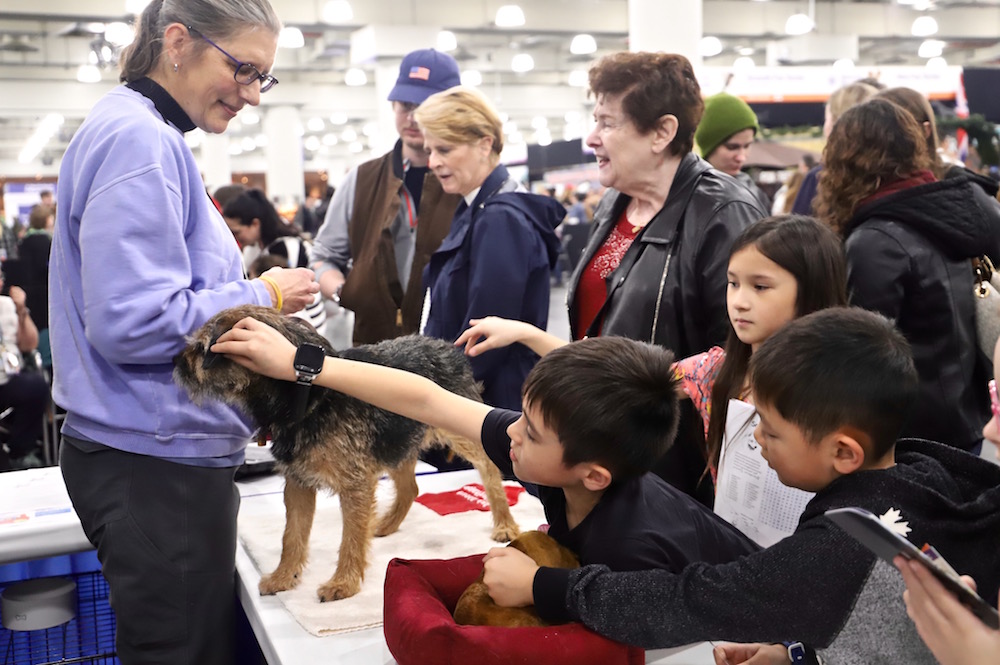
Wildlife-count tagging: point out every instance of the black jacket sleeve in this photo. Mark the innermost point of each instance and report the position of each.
(708, 322)
(802, 588)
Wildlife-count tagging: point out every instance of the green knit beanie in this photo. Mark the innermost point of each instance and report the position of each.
(724, 115)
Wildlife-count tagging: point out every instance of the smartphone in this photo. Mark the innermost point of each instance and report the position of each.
(867, 529)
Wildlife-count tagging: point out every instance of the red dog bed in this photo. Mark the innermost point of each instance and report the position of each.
(419, 629)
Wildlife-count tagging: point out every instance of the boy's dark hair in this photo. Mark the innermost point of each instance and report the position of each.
(610, 400)
(838, 367)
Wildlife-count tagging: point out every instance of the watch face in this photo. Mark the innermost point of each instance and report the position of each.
(309, 358)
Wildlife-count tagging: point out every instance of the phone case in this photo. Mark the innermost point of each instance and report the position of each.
(867, 529)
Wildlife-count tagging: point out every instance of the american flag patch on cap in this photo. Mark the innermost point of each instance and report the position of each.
(421, 73)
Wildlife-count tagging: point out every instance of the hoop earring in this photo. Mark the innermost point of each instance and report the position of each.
(175, 68)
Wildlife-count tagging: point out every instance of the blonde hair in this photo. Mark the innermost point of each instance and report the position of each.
(850, 95)
(461, 115)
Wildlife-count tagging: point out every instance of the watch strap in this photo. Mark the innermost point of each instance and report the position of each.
(796, 652)
(302, 388)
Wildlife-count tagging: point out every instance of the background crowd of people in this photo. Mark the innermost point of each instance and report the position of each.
(670, 246)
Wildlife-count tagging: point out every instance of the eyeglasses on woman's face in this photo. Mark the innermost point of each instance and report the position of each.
(245, 73)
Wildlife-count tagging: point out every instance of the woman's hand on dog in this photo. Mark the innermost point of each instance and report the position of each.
(258, 347)
(509, 575)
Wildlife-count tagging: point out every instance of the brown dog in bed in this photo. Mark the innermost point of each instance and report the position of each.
(476, 608)
(341, 444)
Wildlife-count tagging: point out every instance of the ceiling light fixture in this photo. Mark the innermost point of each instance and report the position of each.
(509, 16)
(522, 62)
(89, 73)
(743, 63)
(937, 63)
(709, 46)
(118, 33)
(924, 26)
(843, 65)
(135, 6)
(291, 37)
(46, 129)
(472, 78)
(931, 48)
(336, 12)
(801, 24)
(355, 77)
(583, 44)
(447, 41)
(338, 118)
(578, 78)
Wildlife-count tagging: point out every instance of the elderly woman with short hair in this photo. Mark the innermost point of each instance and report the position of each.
(655, 267)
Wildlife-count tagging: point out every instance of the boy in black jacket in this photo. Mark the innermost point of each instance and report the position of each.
(597, 415)
(832, 389)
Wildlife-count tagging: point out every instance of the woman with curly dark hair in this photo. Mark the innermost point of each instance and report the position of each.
(908, 238)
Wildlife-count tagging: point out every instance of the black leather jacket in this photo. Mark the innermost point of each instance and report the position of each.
(670, 287)
(908, 259)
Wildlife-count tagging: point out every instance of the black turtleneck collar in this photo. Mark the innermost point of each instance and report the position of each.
(164, 103)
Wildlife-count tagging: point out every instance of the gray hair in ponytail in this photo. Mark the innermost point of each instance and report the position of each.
(216, 19)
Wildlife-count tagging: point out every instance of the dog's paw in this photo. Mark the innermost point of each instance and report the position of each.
(338, 590)
(275, 582)
(386, 527)
(504, 533)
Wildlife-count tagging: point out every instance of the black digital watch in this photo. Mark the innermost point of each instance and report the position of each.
(308, 364)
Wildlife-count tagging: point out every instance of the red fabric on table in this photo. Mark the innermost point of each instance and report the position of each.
(419, 629)
(468, 497)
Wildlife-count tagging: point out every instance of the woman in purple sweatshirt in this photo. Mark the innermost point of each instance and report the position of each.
(141, 258)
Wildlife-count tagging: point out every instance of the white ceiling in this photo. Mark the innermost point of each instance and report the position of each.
(43, 43)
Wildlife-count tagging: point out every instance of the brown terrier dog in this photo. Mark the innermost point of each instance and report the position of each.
(341, 444)
(476, 608)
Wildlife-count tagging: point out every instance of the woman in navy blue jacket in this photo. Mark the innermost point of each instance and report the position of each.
(498, 255)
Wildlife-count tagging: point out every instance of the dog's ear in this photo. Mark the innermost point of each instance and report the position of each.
(210, 357)
(299, 331)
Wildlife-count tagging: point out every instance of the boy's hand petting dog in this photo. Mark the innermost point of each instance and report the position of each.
(509, 575)
(258, 347)
(750, 654)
